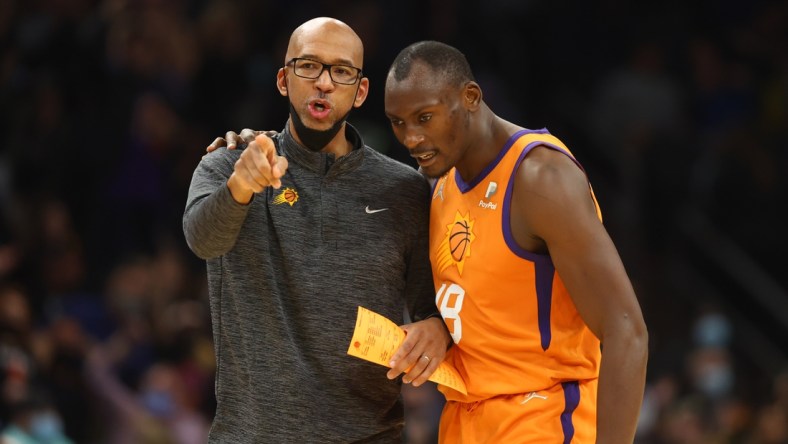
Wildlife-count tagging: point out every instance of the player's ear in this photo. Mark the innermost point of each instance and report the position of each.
(281, 82)
(472, 96)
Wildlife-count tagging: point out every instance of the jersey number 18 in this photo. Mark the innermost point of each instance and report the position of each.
(449, 302)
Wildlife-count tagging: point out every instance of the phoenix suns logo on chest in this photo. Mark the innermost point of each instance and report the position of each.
(287, 195)
(456, 245)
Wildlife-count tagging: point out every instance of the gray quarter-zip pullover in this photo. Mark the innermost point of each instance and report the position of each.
(286, 274)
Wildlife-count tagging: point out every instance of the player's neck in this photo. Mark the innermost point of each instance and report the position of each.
(490, 135)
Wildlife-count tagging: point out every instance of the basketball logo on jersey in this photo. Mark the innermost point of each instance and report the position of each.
(288, 195)
(456, 246)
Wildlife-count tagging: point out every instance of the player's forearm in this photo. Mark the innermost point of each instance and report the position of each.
(621, 384)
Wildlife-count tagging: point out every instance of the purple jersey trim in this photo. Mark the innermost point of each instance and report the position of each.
(544, 271)
(465, 187)
(507, 201)
(572, 400)
(543, 264)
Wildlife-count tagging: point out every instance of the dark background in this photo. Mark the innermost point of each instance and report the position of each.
(677, 110)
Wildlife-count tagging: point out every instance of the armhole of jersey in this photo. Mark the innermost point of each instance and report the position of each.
(506, 223)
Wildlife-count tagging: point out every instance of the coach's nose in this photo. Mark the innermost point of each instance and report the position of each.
(323, 82)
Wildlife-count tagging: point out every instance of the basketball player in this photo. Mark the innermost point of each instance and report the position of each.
(548, 333)
(298, 230)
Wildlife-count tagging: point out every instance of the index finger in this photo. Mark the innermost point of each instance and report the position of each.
(267, 146)
(276, 165)
(403, 357)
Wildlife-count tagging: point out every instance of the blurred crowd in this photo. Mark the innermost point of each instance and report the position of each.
(674, 108)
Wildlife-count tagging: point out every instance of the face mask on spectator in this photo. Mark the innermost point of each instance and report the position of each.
(159, 403)
(46, 426)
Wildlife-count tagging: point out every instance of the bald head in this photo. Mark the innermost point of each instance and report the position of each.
(326, 35)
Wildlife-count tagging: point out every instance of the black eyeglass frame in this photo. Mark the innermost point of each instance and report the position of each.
(325, 66)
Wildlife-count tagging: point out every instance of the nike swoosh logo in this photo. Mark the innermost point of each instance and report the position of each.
(374, 211)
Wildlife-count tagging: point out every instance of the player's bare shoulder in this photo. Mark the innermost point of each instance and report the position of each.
(550, 173)
(549, 190)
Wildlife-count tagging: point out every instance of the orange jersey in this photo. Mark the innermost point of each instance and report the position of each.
(514, 325)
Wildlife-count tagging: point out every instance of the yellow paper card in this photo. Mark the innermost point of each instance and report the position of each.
(376, 338)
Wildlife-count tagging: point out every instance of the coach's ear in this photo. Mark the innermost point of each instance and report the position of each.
(361, 92)
(281, 82)
(472, 96)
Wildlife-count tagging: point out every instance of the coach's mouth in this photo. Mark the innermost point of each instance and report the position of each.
(319, 109)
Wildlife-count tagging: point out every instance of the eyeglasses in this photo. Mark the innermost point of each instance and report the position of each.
(312, 69)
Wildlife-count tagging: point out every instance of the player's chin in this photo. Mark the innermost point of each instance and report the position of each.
(434, 171)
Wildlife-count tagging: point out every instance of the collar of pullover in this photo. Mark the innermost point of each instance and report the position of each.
(320, 162)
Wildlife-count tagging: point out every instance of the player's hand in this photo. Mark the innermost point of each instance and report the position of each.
(258, 167)
(231, 139)
(422, 351)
